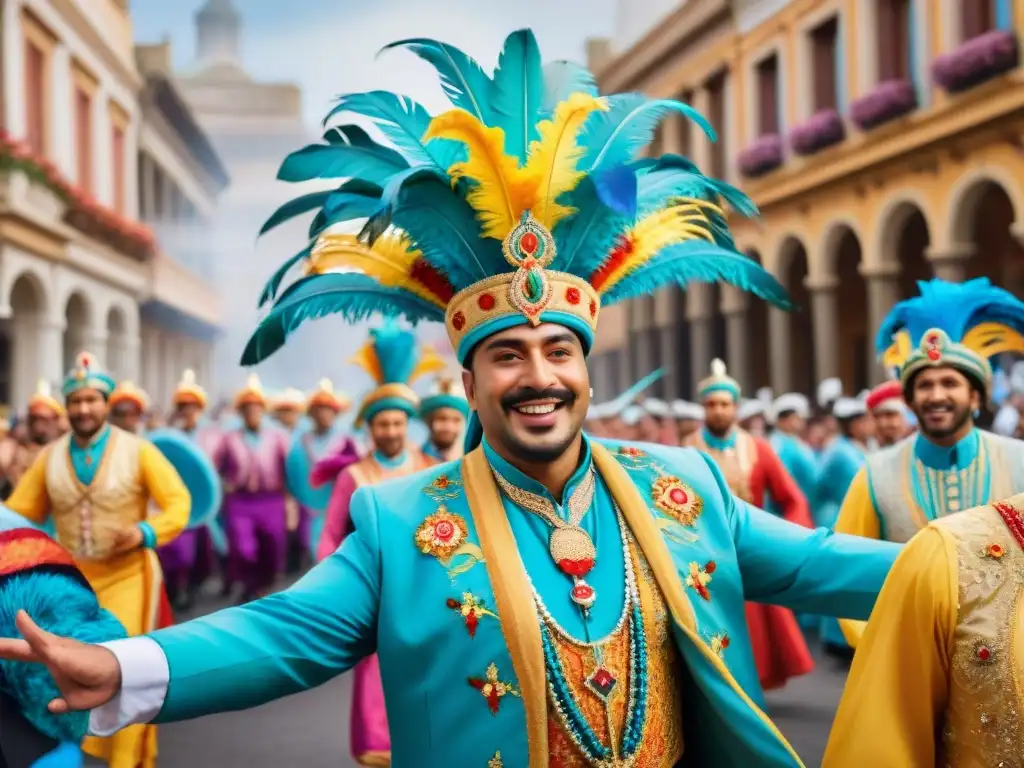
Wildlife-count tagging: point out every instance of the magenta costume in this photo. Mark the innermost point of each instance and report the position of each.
(252, 465)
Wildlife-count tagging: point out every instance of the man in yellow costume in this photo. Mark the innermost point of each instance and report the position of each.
(937, 678)
(95, 483)
(941, 342)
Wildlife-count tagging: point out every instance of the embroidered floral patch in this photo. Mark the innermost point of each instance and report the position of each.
(719, 642)
(443, 488)
(491, 688)
(676, 499)
(699, 577)
(495, 762)
(441, 533)
(995, 551)
(471, 609)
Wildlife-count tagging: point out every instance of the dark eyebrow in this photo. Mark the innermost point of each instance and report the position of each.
(519, 345)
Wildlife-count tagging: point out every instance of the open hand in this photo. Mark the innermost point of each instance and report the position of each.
(87, 676)
(127, 539)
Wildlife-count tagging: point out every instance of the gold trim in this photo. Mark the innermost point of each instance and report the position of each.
(403, 391)
(101, 469)
(375, 758)
(513, 598)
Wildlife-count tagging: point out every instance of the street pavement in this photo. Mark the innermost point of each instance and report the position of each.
(311, 729)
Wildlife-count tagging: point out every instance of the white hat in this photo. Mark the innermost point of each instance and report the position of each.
(658, 408)
(632, 414)
(1017, 377)
(849, 408)
(792, 401)
(688, 411)
(829, 390)
(750, 408)
(1006, 421)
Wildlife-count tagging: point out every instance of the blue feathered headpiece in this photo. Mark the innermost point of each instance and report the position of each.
(960, 325)
(393, 357)
(528, 202)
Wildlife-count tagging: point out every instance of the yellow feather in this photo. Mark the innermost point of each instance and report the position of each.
(503, 190)
(429, 362)
(658, 230)
(389, 261)
(553, 157)
(990, 339)
(366, 358)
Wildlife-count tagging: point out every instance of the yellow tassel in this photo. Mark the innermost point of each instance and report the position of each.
(390, 261)
(553, 157)
(503, 190)
(366, 358)
(670, 226)
(429, 362)
(990, 339)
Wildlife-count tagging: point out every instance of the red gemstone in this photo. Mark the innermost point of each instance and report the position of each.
(934, 354)
(984, 653)
(725, 641)
(528, 242)
(485, 302)
(458, 321)
(577, 568)
(603, 678)
(572, 295)
(678, 495)
(452, 603)
(582, 594)
(710, 567)
(593, 308)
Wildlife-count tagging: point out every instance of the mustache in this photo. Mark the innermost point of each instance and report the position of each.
(526, 394)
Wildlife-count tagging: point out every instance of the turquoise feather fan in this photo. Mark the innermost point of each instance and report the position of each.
(435, 205)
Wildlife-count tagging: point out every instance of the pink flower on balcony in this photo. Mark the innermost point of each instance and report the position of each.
(823, 129)
(976, 61)
(886, 101)
(761, 157)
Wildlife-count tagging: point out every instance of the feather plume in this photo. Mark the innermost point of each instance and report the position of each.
(390, 260)
(503, 190)
(429, 362)
(704, 262)
(617, 188)
(297, 207)
(352, 295)
(517, 91)
(343, 207)
(274, 283)
(561, 80)
(366, 358)
(465, 83)
(395, 350)
(380, 219)
(555, 154)
(349, 151)
(651, 234)
(616, 136)
(585, 237)
(992, 339)
(736, 199)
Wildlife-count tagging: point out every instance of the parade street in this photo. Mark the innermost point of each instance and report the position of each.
(312, 729)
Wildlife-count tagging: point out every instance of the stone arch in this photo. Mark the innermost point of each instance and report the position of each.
(21, 337)
(903, 237)
(79, 322)
(989, 222)
(836, 235)
(969, 192)
(850, 335)
(793, 331)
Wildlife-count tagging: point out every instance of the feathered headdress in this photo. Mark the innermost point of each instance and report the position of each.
(188, 391)
(127, 392)
(446, 393)
(393, 359)
(528, 202)
(251, 394)
(325, 395)
(43, 402)
(87, 374)
(959, 325)
(720, 381)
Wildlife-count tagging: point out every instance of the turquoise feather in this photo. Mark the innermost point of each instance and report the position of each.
(353, 295)
(396, 352)
(738, 200)
(274, 283)
(349, 152)
(585, 238)
(380, 218)
(517, 92)
(561, 80)
(616, 136)
(465, 83)
(342, 207)
(293, 208)
(702, 262)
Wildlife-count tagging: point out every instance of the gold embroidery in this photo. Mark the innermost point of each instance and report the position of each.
(674, 516)
(492, 688)
(495, 762)
(676, 499)
(445, 535)
(444, 488)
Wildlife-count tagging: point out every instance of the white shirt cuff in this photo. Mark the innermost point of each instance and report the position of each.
(145, 676)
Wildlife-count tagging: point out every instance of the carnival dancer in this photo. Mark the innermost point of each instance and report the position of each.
(445, 411)
(940, 343)
(479, 581)
(752, 470)
(889, 413)
(287, 408)
(308, 448)
(17, 452)
(936, 681)
(96, 484)
(128, 407)
(190, 560)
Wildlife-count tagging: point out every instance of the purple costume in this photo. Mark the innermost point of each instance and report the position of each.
(253, 468)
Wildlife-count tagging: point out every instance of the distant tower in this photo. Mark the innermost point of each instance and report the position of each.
(218, 33)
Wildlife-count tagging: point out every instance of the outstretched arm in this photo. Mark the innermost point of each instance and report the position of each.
(30, 499)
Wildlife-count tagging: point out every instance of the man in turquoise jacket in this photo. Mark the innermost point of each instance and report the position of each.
(549, 598)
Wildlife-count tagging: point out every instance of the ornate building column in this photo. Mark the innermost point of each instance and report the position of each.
(883, 293)
(734, 303)
(698, 315)
(950, 263)
(780, 362)
(825, 314)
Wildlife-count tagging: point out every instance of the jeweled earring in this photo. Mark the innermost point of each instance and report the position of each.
(591, 392)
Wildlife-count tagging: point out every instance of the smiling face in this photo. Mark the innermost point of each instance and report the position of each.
(445, 426)
(943, 400)
(87, 412)
(530, 388)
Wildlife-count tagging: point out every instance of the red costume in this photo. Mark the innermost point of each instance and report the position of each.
(752, 469)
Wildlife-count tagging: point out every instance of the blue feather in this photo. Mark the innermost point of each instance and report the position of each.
(353, 295)
(465, 83)
(446, 230)
(733, 196)
(396, 352)
(699, 261)
(517, 92)
(349, 151)
(274, 283)
(380, 217)
(631, 394)
(585, 237)
(617, 188)
(561, 80)
(616, 136)
(293, 208)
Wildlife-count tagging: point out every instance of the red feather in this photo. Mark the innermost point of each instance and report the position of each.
(432, 280)
(622, 250)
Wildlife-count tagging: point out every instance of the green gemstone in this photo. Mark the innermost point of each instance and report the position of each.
(534, 287)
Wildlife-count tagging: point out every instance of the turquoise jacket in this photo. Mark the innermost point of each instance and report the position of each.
(428, 545)
(839, 465)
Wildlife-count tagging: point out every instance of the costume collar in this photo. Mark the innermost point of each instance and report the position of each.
(520, 480)
(719, 443)
(942, 457)
(99, 437)
(393, 462)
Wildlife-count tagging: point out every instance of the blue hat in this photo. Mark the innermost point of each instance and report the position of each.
(530, 201)
(87, 374)
(447, 393)
(718, 381)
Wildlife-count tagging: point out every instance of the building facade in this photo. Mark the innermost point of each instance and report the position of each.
(882, 140)
(76, 264)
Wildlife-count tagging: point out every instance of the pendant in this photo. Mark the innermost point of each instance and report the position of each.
(573, 551)
(582, 594)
